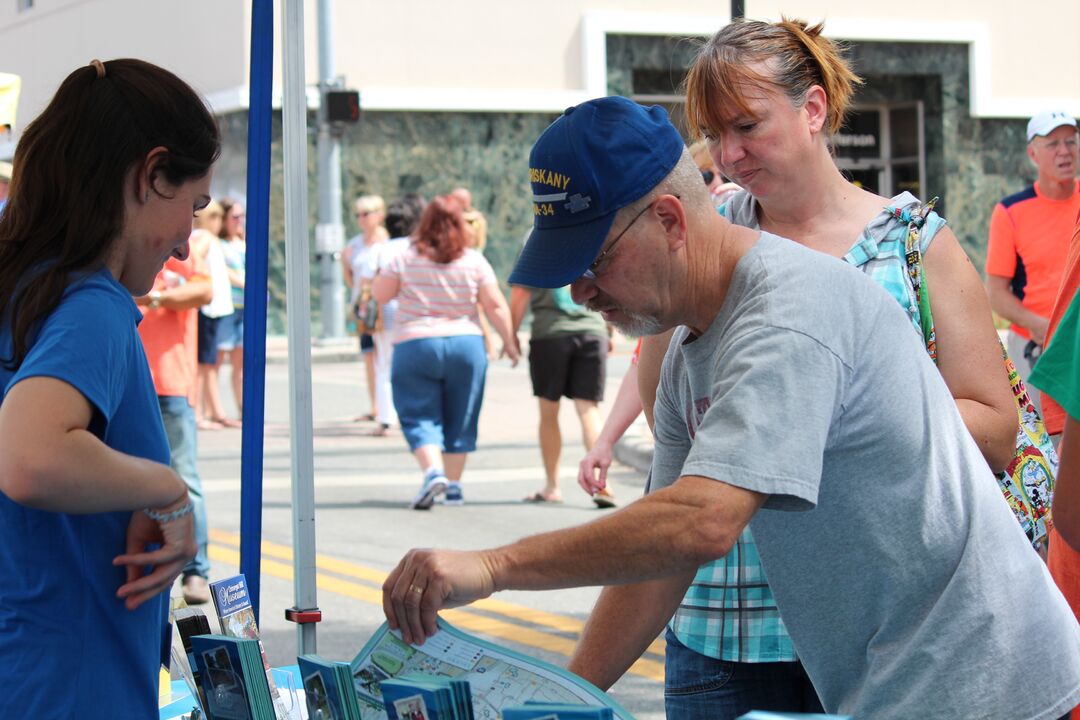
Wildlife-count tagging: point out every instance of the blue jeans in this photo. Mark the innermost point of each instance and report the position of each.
(700, 687)
(179, 419)
(438, 387)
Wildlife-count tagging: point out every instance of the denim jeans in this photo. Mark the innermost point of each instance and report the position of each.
(697, 687)
(179, 419)
(438, 386)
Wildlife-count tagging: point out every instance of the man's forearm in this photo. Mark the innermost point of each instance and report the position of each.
(1008, 306)
(671, 531)
(622, 625)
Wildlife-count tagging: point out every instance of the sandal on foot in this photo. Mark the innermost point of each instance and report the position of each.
(604, 501)
(540, 497)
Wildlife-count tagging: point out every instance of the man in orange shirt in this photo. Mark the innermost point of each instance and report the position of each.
(169, 335)
(1029, 238)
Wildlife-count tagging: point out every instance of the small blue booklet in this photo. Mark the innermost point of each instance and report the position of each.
(232, 678)
(556, 711)
(328, 689)
(768, 715)
(496, 677)
(419, 696)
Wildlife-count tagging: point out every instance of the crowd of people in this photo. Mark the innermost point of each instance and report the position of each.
(849, 506)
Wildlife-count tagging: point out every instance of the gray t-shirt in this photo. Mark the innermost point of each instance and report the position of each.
(908, 588)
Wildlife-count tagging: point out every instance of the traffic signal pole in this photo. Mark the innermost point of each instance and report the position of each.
(329, 230)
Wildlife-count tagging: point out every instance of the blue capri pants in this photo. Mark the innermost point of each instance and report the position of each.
(438, 386)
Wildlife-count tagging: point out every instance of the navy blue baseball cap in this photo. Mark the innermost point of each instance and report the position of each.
(596, 159)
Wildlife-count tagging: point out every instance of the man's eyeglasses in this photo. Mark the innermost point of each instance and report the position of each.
(598, 264)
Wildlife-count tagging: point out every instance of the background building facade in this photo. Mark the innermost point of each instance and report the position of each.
(455, 93)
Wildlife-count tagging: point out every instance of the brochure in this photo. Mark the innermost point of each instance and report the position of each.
(497, 676)
(328, 689)
(237, 618)
(553, 711)
(427, 697)
(767, 715)
(232, 678)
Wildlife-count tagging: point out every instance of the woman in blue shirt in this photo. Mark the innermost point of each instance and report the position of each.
(94, 525)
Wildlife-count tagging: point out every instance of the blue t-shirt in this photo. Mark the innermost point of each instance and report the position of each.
(68, 647)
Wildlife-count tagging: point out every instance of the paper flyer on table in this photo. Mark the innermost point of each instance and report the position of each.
(499, 677)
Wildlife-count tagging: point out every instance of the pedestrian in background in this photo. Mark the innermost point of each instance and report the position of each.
(107, 179)
(231, 329)
(214, 319)
(370, 212)
(402, 217)
(1029, 239)
(568, 349)
(169, 333)
(439, 363)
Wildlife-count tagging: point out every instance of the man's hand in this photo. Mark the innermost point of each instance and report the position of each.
(597, 460)
(426, 581)
(178, 546)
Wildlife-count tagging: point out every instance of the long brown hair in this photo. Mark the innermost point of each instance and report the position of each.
(66, 203)
(441, 235)
(792, 56)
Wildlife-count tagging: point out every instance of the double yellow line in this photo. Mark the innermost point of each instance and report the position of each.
(535, 628)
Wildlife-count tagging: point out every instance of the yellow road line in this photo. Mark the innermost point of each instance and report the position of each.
(554, 621)
(644, 667)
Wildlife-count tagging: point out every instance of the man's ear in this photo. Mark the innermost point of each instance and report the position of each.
(1031, 153)
(147, 176)
(672, 216)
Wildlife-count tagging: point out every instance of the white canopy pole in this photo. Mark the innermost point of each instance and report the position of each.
(298, 299)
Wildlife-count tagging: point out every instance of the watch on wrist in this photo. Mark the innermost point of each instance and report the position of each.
(155, 299)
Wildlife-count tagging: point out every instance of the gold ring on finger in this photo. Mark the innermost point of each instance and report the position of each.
(416, 589)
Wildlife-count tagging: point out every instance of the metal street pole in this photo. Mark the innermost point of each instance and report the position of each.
(329, 231)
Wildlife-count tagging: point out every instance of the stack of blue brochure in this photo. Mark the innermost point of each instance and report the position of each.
(767, 715)
(556, 711)
(328, 689)
(418, 696)
(232, 677)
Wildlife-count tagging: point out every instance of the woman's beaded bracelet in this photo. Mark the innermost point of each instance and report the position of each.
(168, 517)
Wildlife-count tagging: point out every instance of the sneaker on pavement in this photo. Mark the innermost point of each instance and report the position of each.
(196, 590)
(432, 488)
(454, 495)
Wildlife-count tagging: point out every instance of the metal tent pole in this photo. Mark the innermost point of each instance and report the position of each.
(298, 299)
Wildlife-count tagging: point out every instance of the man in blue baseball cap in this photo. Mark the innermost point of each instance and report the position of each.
(891, 555)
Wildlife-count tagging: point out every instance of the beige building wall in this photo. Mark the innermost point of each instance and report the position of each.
(516, 55)
(1023, 59)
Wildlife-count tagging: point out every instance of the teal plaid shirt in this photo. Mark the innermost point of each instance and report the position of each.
(729, 612)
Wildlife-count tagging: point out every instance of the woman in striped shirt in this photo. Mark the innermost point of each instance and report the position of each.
(439, 361)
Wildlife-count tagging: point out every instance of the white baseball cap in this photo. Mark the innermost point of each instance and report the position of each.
(1047, 121)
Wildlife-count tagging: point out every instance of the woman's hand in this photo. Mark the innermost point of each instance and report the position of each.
(176, 539)
(510, 350)
(597, 460)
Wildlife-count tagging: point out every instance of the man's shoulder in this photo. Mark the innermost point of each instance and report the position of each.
(1024, 195)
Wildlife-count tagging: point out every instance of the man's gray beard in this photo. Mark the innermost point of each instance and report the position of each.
(637, 325)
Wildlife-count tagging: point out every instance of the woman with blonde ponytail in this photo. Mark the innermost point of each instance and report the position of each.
(767, 98)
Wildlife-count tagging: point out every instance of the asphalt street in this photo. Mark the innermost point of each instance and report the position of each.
(363, 526)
